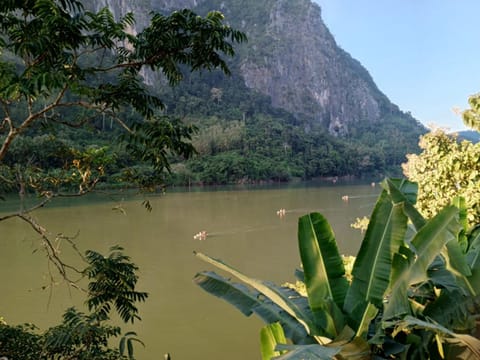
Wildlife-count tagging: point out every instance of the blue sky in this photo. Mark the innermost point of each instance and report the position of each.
(423, 54)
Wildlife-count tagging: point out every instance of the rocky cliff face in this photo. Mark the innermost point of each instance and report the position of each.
(305, 72)
(291, 56)
(142, 8)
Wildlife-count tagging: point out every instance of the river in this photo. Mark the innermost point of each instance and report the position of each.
(243, 229)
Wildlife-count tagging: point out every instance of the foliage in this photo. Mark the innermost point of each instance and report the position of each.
(65, 67)
(230, 117)
(414, 291)
(80, 336)
(114, 281)
(66, 72)
(443, 170)
(274, 143)
(154, 140)
(471, 117)
(360, 223)
(85, 336)
(127, 341)
(20, 342)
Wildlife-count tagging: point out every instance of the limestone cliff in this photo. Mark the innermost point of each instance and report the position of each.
(292, 57)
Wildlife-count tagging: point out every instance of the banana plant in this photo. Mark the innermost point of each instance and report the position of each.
(407, 268)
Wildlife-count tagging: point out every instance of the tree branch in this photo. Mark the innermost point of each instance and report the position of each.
(12, 133)
(51, 250)
(15, 131)
(121, 122)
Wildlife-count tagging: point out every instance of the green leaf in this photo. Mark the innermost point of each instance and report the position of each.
(369, 314)
(473, 252)
(453, 310)
(323, 271)
(284, 302)
(402, 191)
(441, 277)
(248, 302)
(372, 269)
(471, 117)
(310, 352)
(412, 267)
(461, 204)
(468, 342)
(270, 336)
(112, 283)
(473, 258)
(456, 263)
(121, 346)
(130, 349)
(236, 294)
(323, 268)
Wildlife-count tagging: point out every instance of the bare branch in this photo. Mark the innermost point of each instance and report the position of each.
(77, 124)
(51, 250)
(121, 122)
(50, 195)
(7, 119)
(9, 216)
(12, 133)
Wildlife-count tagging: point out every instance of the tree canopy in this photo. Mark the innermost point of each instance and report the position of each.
(56, 55)
(471, 117)
(62, 68)
(445, 169)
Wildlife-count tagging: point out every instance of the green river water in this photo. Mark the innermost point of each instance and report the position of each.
(243, 229)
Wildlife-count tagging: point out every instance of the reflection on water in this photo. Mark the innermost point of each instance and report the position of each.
(243, 229)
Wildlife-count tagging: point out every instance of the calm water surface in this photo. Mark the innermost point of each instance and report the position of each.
(178, 317)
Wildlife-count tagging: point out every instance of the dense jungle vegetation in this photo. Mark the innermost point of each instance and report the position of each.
(238, 136)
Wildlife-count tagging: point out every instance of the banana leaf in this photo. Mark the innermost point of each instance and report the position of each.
(456, 262)
(353, 349)
(310, 352)
(403, 191)
(250, 301)
(441, 277)
(411, 266)
(465, 347)
(372, 269)
(453, 310)
(473, 253)
(324, 273)
(461, 204)
(270, 336)
(473, 257)
(408, 189)
(470, 344)
(295, 306)
(455, 253)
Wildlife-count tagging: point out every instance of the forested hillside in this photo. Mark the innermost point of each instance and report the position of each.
(242, 137)
(295, 106)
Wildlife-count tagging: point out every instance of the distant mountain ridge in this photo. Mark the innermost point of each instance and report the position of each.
(470, 135)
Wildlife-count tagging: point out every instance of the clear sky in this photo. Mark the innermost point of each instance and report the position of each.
(423, 54)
